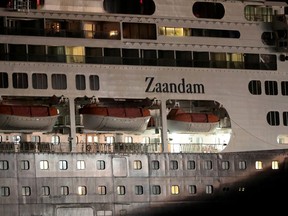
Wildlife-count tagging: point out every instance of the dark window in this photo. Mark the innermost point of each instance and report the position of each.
(59, 81)
(255, 87)
(210, 10)
(273, 118)
(36, 53)
(94, 82)
(184, 59)
(284, 87)
(149, 57)
(139, 31)
(17, 52)
(94, 55)
(20, 80)
(39, 81)
(155, 165)
(112, 56)
(130, 56)
(138, 189)
(191, 165)
(156, 189)
(3, 80)
(251, 61)
(166, 58)
(201, 59)
(173, 165)
(271, 88)
(285, 118)
(146, 7)
(80, 82)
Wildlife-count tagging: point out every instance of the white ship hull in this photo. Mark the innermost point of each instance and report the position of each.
(135, 61)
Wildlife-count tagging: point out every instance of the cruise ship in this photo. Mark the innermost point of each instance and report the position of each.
(143, 107)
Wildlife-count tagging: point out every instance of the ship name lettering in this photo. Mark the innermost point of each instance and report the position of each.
(181, 87)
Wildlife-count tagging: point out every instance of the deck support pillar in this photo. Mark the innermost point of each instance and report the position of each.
(72, 135)
(164, 134)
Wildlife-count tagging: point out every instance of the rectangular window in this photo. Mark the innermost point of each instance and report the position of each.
(100, 164)
(191, 165)
(63, 165)
(80, 82)
(64, 190)
(225, 165)
(45, 191)
(82, 190)
(5, 191)
(4, 165)
(39, 81)
(20, 80)
(3, 80)
(209, 189)
(173, 165)
(94, 82)
(121, 190)
(259, 165)
(138, 189)
(155, 165)
(275, 165)
(208, 165)
(59, 81)
(25, 165)
(137, 165)
(80, 164)
(242, 165)
(26, 191)
(44, 165)
(156, 189)
(175, 189)
(101, 190)
(192, 189)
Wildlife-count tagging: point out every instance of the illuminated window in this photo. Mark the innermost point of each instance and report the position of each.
(137, 165)
(174, 189)
(121, 190)
(209, 189)
(80, 164)
(82, 190)
(101, 190)
(275, 165)
(26, 191)
(258, 165)
(63, 165)
(55, 139)
(44, 165)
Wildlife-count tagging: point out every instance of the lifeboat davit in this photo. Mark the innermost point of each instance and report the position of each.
(115, 118)
(26, 118)
(183, 122)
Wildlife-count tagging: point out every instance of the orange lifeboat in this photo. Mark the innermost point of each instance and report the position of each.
(183, 122)
(115, 118)
(27, 118)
